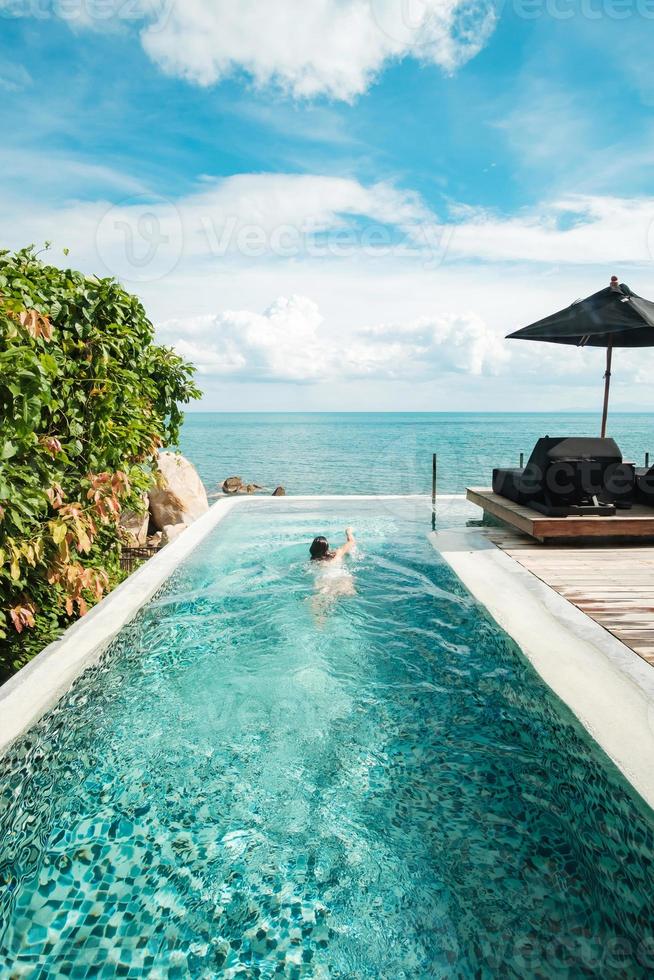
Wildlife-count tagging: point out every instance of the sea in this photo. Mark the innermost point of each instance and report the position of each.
(382, 452)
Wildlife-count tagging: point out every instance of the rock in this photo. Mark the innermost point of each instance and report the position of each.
(135, 526)
(253, 488)
(233, 484)
(279, 492)
(171, 532)
(181, 497)
(154, 541)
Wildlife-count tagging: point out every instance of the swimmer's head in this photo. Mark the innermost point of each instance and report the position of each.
(319, 548)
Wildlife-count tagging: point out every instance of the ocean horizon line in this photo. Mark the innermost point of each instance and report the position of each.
(565, 411)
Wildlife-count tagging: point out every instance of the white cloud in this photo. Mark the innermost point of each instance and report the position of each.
(226, 214)
(270, 218)
(330, 47)
(305, 47)
(291, 342)
(282, 344)
(575, 229)
(454, 342)
(247, 217)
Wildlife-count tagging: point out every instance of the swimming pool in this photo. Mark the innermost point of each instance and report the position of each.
(247, 785)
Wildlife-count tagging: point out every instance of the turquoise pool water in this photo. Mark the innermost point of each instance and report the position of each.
(256, 784)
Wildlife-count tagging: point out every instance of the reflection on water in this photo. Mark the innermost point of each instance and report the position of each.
(236, 792)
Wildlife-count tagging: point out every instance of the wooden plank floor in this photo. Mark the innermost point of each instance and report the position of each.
(635, 523)
(613, 585)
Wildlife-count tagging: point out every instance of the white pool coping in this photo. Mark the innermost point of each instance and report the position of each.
(607, 686)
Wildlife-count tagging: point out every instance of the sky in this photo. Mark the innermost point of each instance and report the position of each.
(343, 204)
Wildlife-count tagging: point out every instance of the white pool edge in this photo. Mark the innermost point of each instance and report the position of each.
(606, 685)
(37, 687)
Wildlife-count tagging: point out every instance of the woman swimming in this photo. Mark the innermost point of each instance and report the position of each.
(333, 579)
(320, 550)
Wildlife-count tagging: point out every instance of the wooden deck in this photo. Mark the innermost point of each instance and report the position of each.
(637, 523)
(613, 585)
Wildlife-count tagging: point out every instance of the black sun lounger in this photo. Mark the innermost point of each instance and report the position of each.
(645, 485)
(567, 476)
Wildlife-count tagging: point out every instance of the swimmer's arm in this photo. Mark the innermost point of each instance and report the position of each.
(350, 544)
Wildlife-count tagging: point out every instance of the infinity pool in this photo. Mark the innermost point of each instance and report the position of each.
(258, 783)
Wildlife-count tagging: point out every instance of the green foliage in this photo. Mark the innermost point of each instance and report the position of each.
(86, 400)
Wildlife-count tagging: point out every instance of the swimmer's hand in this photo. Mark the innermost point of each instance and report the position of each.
(350, 544)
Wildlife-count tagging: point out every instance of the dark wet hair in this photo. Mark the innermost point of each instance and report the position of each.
(319, 548)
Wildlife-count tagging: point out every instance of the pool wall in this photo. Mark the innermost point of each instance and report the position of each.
(607, 686)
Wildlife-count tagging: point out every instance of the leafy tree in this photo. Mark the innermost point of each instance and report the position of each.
(86, 400)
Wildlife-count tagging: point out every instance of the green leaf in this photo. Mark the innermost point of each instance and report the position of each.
(8, 450)
(49, 363)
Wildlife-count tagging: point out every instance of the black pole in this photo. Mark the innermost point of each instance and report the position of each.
(433, 491)
(607, 385)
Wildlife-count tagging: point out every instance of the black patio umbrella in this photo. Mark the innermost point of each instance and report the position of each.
(613, 317)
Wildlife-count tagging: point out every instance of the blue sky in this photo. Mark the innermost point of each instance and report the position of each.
(346, 206)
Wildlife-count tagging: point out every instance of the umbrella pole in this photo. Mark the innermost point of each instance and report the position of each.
(607, 385)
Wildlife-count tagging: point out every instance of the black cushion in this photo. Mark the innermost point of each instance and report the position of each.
(563, 447)
(604, 450)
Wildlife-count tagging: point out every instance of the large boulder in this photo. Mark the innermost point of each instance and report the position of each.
(180, 497)
(135, 526)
